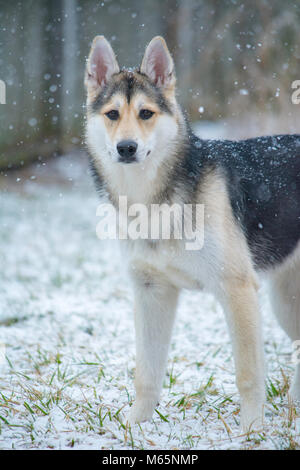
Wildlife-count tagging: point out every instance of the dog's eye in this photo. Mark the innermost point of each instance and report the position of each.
(113, 115)
(146, 114)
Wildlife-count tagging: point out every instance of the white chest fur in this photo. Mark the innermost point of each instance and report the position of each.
(187, 269)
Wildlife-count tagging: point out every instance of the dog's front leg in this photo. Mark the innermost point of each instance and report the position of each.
(240, 302)
(155, 305)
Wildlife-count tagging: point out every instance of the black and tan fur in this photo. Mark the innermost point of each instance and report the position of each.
(251, 193)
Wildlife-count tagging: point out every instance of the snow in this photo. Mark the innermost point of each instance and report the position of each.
(66, 326)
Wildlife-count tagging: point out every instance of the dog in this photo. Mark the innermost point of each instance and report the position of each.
(141, 146)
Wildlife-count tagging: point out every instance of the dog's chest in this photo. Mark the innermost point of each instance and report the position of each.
(188, 269)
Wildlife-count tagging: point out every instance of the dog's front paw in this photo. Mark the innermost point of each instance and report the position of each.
(141, 411)
(251, 417)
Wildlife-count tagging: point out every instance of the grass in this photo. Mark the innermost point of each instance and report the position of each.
(41, 403)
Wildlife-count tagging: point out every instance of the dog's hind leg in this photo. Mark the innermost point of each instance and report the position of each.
(285, 300)
(241, 306)
(155, 305)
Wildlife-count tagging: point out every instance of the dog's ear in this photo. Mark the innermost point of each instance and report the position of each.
(158, 64)
(101, 65)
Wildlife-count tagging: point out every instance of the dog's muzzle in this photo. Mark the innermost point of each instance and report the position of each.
(127, 151)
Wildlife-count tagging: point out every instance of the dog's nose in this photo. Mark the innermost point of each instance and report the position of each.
(127, 150)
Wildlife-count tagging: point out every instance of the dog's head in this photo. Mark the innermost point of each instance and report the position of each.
(132, 115)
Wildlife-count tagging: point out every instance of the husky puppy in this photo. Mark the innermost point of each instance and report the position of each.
(142, 147)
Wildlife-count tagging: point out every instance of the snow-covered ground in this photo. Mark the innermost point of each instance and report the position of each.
(66, 328)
